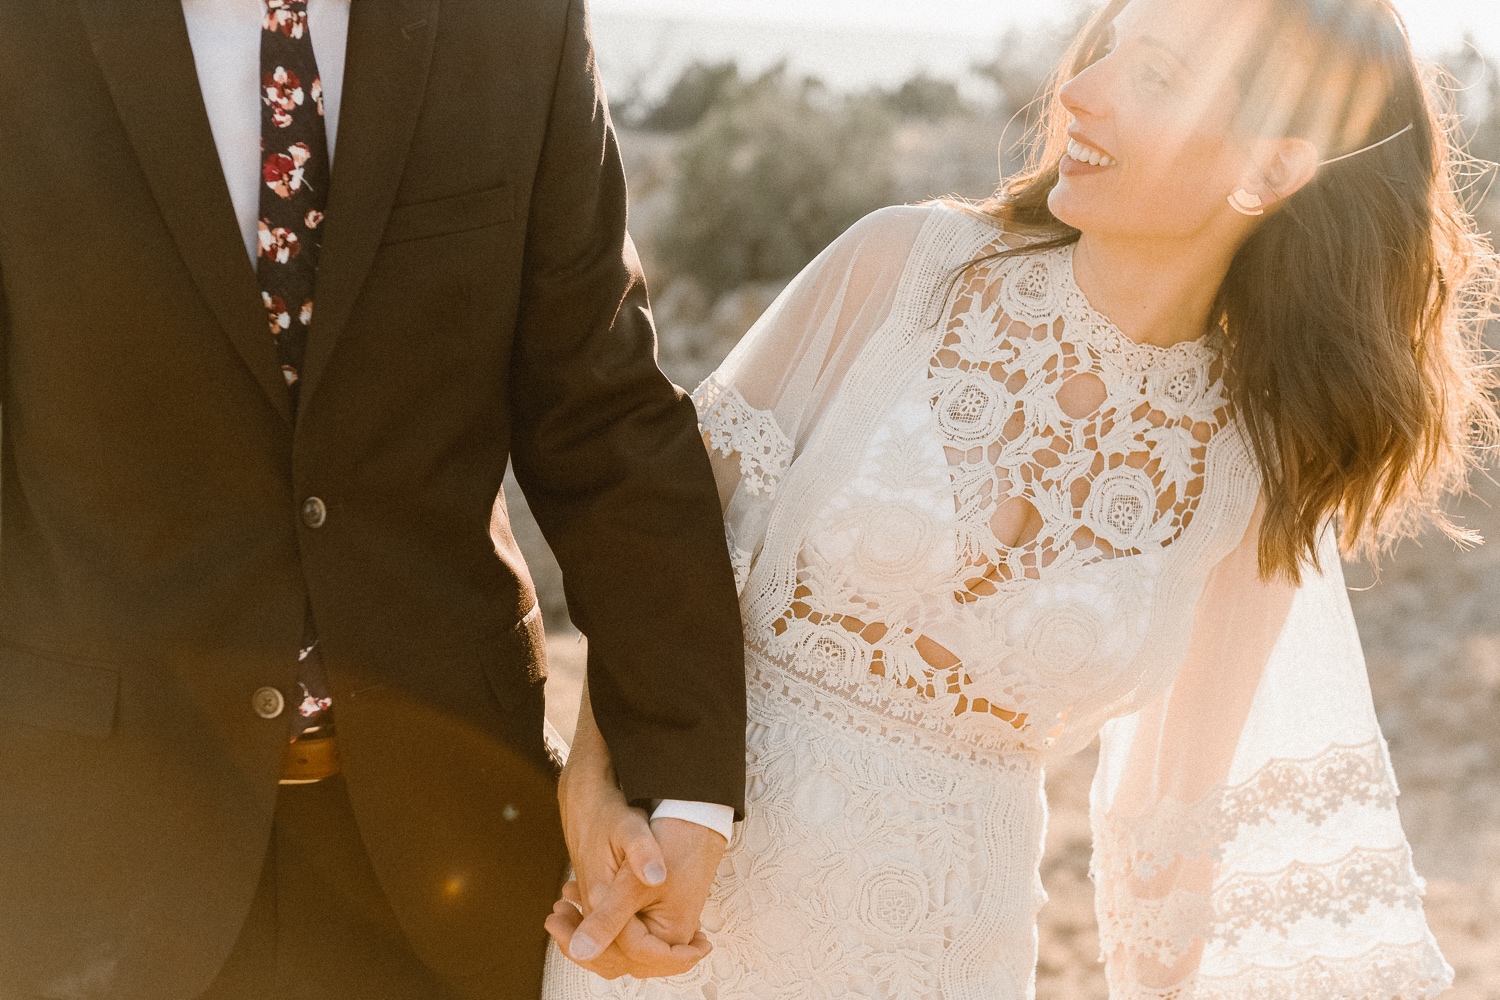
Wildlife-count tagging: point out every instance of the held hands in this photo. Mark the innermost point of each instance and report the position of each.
(639, 889)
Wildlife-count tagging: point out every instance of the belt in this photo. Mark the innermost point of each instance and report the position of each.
(310, 761)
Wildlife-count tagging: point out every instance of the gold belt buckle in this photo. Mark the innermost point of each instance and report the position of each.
(310, 761)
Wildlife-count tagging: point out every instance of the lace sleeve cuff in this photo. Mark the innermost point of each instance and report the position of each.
(1313, 896)
(732, 426)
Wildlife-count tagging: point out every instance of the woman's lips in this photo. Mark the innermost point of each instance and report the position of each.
(1070, 167)
(1083, 153)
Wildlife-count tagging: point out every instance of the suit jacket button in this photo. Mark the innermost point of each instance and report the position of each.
(268, 702)
(314, 512)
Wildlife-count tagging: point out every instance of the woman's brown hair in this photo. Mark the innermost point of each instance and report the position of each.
(1354, 314)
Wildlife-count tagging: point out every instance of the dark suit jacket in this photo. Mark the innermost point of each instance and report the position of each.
(478, 300)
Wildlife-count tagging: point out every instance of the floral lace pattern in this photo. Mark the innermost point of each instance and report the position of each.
(1337, 892)
(1162, 930)
(1272, 903)
(1382, 973)
(857, 874)
(1312, 789)
(733, 426)
(1107, 479)
(906, 599)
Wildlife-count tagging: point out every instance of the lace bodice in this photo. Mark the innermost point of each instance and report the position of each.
(988, 565)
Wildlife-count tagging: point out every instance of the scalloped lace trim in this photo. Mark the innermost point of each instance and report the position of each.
(1273, 902)
(1128, 355)
(1162, 930)
(1314, 788)
(733, 425)
(1386, 972)
(1337, 892)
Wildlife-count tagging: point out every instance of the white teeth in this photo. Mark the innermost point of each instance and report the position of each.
(1087, 154)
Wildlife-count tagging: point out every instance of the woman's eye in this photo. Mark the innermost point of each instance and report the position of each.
(1152, 77)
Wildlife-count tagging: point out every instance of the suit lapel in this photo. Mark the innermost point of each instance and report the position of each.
(385, 78)
(142, 47)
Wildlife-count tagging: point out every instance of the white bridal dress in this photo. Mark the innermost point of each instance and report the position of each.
(910, 675)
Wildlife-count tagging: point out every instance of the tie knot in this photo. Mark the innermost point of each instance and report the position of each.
(287, 17)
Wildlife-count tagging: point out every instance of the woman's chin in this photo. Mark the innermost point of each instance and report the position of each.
(1067, 207)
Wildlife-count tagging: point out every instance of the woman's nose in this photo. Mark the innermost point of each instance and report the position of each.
(1082, 95)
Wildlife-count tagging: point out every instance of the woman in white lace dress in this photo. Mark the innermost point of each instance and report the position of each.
(992, 492)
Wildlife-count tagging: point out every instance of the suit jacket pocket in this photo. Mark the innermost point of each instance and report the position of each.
(515, 661)
(458, 214)
(38, 689)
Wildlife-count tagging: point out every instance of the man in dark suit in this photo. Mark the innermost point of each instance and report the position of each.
(270, 672)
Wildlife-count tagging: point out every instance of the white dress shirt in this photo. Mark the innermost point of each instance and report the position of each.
(225, 36)
(226, 49)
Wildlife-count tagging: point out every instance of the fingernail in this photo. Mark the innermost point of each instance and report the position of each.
(656, 873)
(583, 948)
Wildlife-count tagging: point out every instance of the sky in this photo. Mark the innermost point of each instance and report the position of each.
(854, 44)
(1434, 24)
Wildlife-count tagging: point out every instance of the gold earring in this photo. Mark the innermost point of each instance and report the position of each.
(1245, 203)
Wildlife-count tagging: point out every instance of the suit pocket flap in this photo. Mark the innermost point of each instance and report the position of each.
(457, 214)
(41, 690)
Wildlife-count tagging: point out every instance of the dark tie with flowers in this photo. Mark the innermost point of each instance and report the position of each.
(293, 198)
(294, 154)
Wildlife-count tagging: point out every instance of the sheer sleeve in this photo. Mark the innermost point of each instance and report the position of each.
(1246, 839)
(761, 406)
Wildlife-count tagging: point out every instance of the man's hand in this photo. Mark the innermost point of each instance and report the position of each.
(640, 888)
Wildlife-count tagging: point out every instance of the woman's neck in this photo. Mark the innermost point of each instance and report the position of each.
(1156, 293)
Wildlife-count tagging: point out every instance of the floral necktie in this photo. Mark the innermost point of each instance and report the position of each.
(294, 151)
(293, 199)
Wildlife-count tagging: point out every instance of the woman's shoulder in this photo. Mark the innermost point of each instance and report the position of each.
(904, 223)
(939, 229)
(895, 227)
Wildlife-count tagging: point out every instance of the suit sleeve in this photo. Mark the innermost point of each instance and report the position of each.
(4, 335)
(609, 456)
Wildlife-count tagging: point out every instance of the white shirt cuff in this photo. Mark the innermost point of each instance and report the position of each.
(718, 818)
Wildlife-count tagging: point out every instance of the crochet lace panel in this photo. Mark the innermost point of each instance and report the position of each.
(917, 597)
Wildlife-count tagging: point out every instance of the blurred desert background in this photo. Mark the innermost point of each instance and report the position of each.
(745, 160)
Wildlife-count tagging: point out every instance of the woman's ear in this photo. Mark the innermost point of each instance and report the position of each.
(1281, 172)
(1292, 163)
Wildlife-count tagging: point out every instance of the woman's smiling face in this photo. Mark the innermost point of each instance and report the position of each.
(1152, 152)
